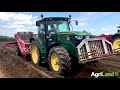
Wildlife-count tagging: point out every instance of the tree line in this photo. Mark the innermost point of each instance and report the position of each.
(6, 38)
(91, 35)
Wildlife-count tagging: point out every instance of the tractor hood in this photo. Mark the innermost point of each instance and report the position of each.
(75, 37)
(75, 33)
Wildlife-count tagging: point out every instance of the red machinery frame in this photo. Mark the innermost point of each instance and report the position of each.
(107, 37)
(22, 42)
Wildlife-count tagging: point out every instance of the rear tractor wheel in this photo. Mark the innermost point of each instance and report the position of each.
(116, 43)
(35, 53)
(59, 61)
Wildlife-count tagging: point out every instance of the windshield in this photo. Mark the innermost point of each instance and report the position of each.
(58, 25)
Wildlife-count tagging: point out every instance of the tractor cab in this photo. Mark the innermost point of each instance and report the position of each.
(54, 24)
(50, 29)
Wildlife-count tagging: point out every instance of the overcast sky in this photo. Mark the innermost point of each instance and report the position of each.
(94, 22)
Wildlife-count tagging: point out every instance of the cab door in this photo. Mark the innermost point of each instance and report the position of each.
(52, 32)
(41, 31)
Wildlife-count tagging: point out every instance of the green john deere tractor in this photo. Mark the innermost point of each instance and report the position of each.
(59, 46)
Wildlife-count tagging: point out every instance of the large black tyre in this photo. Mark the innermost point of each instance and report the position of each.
(35, 53)
(116, 42)
(64, 62)
(18, 53)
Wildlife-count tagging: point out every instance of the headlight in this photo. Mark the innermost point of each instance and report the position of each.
(87, 37)
(79, 37)
(68, 38)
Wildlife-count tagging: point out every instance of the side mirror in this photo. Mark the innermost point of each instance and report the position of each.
(37, 23)
(70, 16)
(76, 22)
(118, 31)
(42, 16)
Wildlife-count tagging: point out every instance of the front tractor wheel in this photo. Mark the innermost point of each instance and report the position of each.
(35, 53)
(59, 61)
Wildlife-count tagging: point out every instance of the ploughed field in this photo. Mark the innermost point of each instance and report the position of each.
(12, 66)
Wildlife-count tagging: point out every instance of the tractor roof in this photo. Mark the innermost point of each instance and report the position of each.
(55, 18)
(51, 18)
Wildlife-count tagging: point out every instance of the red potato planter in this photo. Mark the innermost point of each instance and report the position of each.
(113, 38)
(22, 43)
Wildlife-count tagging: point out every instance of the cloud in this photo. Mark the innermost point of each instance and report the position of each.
(86, 17)
(110, 27)
(5, 16)
(26, 22)
(3, 27)
(98, 13)
(16, 16)
(16, 26)
(33, 27)
(92, 30)
(82, 24)
(23, 17)
(105, 29)
(17, 21)
(11, 22)
(90, 17)
(92, 22)
(81, 21)
(21, 30)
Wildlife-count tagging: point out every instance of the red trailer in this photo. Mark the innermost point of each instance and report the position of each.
(107, 37)
(22, 43)
(114, 38)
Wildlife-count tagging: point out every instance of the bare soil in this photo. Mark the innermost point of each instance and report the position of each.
(18, 67)
(12, 66)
